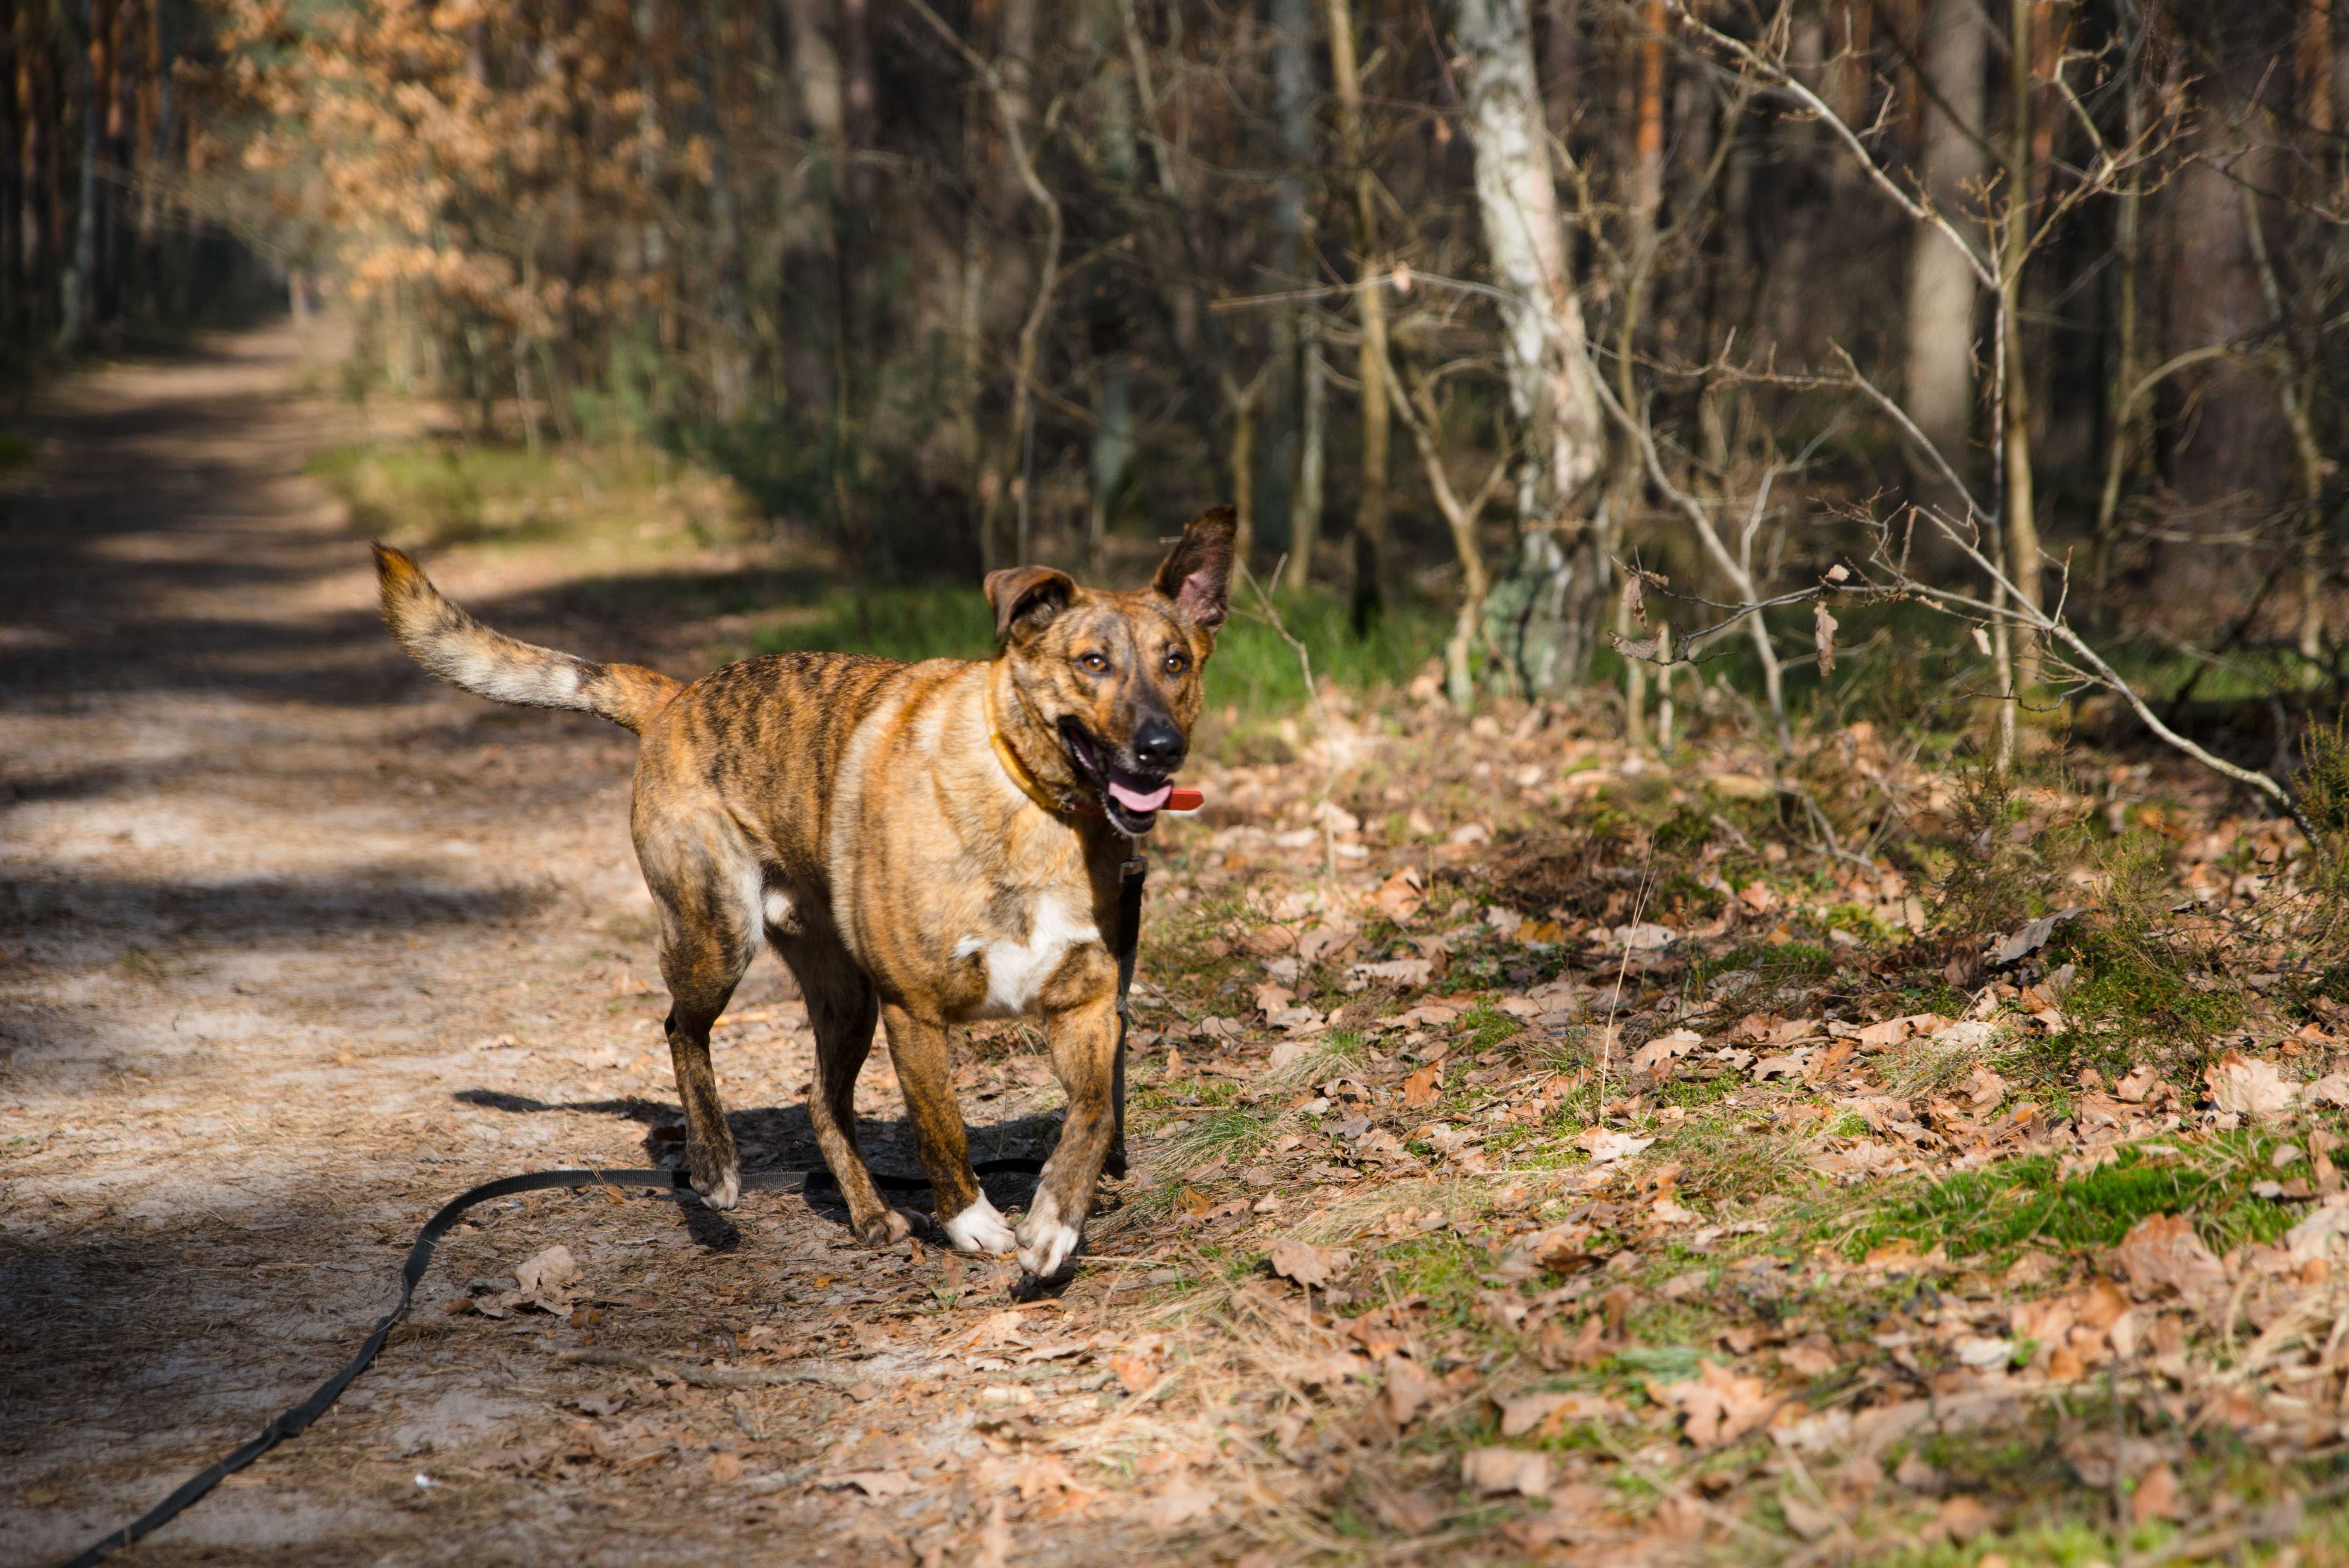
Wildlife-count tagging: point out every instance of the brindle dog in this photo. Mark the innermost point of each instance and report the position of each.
(923, 844)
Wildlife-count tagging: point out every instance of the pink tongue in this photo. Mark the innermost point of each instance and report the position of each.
(1135, 800)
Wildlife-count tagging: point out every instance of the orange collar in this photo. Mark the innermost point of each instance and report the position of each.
(1029, 785)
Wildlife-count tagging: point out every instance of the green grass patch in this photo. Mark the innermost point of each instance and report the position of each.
(2021, 1203)
(1484, 1027)
(1446, 1268)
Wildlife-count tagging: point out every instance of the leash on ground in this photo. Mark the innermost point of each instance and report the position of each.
(293, 1423)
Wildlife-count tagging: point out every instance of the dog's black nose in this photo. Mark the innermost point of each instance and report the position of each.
(1159, 747)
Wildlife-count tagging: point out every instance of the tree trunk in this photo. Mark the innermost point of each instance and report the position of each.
(1371, 313)
(808, 361)
(12, 114)
(1550, 399)
(1112, 455)
(1277, 453)
(75, 297)
(1955, 47)
(2014, 403)
(1313, 399)
(2123, 420)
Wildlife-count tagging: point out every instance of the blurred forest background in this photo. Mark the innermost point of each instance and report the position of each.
(1472, 306)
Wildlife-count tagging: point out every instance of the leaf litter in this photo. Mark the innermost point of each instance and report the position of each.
(1485, 1196)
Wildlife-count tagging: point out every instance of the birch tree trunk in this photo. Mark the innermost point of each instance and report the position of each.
(1554, 408)
(1942, 285)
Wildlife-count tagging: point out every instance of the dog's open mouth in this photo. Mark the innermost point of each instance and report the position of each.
(1129, 796)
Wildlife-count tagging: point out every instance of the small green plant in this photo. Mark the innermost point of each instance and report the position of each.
(2325, 800)
(1994, 877)
(2143, 986)
(1484, 1027)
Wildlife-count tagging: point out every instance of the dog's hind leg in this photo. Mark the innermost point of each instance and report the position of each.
(842, 1009)
(925, 1074)
(705, 945)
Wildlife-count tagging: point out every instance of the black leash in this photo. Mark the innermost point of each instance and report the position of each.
(293, 1423)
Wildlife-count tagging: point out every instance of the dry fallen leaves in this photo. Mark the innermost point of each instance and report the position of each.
(877, 1483)
(2156, 1497)
(1961, 1519)
(1604, 1147)
(1654, 1059)
(1308, 1265)
(2248, 1087)
(2161, 1250)
(545, 1279)
(1424, 1087)
(1496, 1470)
(1400, 897)
(1718, 1405)
(1524, 1413)
(1409, 1391)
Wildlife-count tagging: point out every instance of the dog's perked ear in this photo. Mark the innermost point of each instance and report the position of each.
(1197, 574)
(1027, 598)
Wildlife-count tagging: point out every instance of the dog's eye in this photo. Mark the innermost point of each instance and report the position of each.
(1177, 663)
(1096, 663)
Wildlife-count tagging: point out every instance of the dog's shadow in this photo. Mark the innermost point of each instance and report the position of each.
(781, 1138)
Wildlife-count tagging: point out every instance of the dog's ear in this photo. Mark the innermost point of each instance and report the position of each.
(1197, 574)
(1027, 598)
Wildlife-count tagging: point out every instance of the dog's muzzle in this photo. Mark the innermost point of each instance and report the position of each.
(1131, 793)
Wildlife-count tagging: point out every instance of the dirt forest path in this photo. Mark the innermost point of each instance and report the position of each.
(295, 944)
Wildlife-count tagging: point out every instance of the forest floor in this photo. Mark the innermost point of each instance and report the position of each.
(1546, 1152)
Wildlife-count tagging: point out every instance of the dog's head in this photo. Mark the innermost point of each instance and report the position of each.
(1114, 678)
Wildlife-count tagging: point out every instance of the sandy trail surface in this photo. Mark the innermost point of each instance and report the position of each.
(295, 944)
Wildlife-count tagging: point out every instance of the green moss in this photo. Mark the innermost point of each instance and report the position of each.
(1446, 1268)
(2024, 1202)
(1484, 1027)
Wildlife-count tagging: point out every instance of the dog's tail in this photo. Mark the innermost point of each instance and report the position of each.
(445, 640)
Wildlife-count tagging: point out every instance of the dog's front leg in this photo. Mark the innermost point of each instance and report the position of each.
(917, 1048)
(1084, 1057)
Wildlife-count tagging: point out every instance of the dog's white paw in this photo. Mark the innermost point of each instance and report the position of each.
(1045, 1239)
(981, 1229)
(726, 1193)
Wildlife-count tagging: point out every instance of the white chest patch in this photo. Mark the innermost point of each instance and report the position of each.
(1016, 971)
